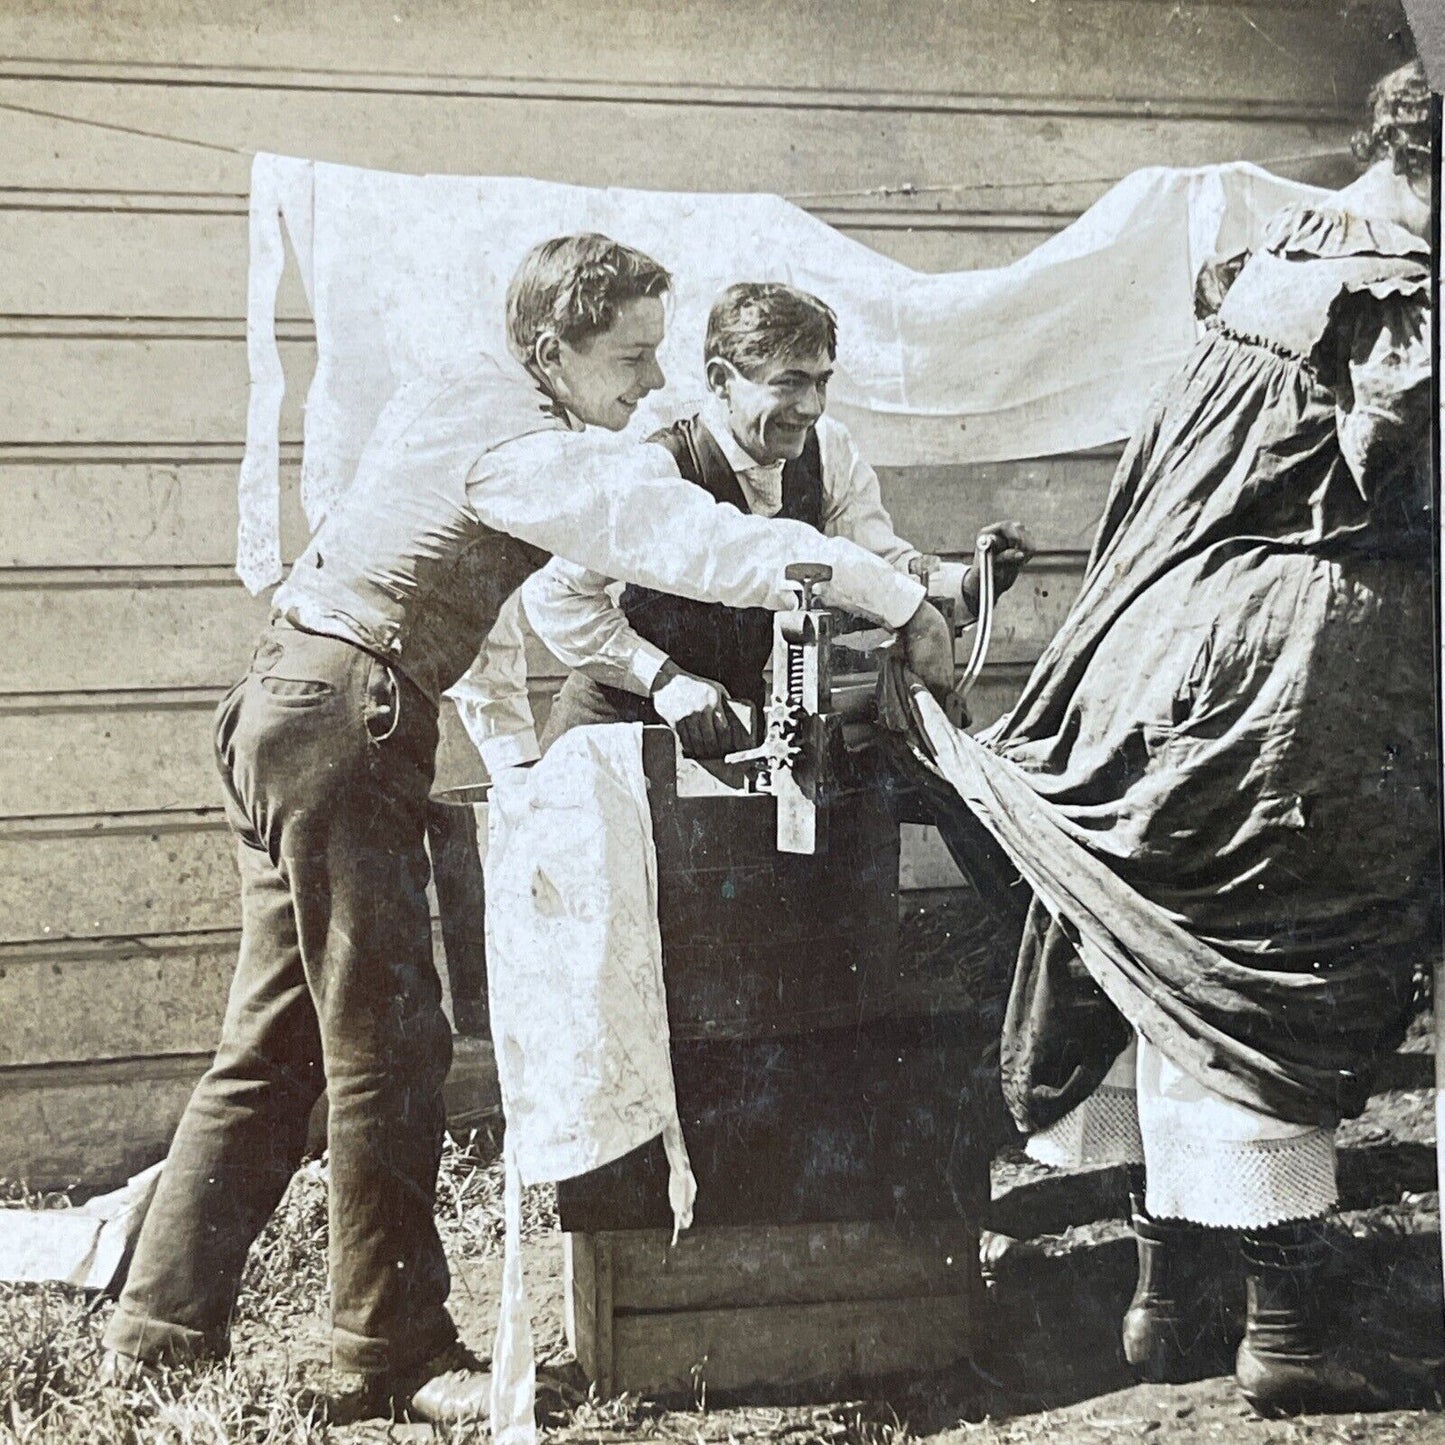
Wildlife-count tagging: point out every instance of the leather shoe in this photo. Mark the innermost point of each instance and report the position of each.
(120, 1371)
(1286, 1363)
(452, 1387)
(1163, 1328)
(456, 1389)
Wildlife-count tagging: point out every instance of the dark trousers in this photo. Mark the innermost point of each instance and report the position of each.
(327, 755)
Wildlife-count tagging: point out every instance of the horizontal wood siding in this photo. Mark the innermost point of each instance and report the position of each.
(947, 134)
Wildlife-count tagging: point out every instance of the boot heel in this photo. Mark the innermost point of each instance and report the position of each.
(1277, 1388)
(1154, 1346)
(1282, 1366)
(1160, 1328)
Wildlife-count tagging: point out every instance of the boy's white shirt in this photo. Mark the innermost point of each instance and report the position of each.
(573, 609)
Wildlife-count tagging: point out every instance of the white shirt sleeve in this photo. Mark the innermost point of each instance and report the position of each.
(852, 501)
(620, 509)
(571, 610)
(491, 696)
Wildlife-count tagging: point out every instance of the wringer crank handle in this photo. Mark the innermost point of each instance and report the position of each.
(808, 575)
(983, 625)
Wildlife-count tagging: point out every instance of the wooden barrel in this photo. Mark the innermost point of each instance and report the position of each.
(812, 1084)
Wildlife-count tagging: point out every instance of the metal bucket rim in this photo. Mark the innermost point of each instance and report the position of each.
(468, 795)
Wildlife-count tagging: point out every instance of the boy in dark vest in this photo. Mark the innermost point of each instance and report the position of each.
(760, 445)
(327, 752)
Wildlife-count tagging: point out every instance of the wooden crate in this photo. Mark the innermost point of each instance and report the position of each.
(772, 1307)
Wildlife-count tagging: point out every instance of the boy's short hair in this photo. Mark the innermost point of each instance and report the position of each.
(757, 322)
(573, 286)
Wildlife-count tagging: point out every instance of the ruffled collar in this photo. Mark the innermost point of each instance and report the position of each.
(1317, 230)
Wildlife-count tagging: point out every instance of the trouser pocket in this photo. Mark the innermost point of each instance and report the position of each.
(382, 702)
(290, 677)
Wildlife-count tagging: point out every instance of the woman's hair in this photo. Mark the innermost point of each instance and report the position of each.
(573, 286)
(1399, 122)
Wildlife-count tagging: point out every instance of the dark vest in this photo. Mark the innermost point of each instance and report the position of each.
(402, 565)
(730, 645)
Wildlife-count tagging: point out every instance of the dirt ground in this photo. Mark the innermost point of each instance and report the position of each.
(1046, 1363)
(1046, 1366)
(1050, 1371)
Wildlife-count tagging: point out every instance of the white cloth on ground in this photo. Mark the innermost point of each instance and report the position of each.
(82, 1244)
(406, 276)
(578, 1004)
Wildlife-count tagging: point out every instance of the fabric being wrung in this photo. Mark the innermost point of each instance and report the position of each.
(406, 277)
(1220, 779)
(578, 1004)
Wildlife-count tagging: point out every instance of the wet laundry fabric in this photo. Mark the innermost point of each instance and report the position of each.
(1219, 782)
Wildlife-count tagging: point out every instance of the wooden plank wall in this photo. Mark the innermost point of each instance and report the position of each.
(947, 133)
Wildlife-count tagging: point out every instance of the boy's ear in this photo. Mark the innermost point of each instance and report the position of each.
(547, 349)
(718, 373)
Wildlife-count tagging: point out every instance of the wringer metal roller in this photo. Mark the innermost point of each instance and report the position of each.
(815, 716)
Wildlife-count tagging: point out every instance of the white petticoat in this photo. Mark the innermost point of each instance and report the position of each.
(1207, 1159)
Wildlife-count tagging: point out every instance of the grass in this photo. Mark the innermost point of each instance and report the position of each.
(50, 1348)
(50, 1334)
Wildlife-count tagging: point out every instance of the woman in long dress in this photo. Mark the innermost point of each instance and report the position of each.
(1237, 719)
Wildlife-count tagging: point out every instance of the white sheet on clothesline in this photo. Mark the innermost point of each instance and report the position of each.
(1054, 353)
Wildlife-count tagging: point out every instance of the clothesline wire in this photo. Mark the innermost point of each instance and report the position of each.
(184, 140)
(909, 189)
(880, 192)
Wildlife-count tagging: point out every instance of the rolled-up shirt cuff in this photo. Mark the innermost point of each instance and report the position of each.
(891, 597)
(945, 582)
(509, 750)
(646, 662)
